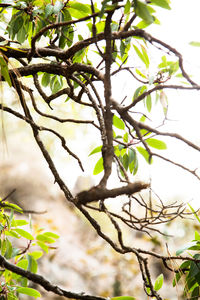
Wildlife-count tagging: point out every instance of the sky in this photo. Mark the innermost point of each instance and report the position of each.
(179, 26)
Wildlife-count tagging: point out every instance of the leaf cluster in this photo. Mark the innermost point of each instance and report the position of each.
(38, 241)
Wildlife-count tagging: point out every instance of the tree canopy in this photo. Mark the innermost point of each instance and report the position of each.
(77, 51)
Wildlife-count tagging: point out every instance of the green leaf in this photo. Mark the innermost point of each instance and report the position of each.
(28, 291)
(133, 161)
(141, 56)
(142, 11)
(197, 236)
(44, 238)
(146, 58)
(194, 213)
(32, 264)
(127, 7)
(56, 84)
(117, 122)
(161, 3)
(185, 247)
(36, 254)
(195, 44)
(48, 10)
(78, 10)
(22, 35)
(23, 263)
(17, 24)
(125, 137)
(51, 235)
(19, 223)
(194, 269)
(145, 154)
(12, 233)
(24, 233)
(11, 296)
(157, 144)
(159, 282)
(4, 71)
(148, 103)
(98, 167)
(9, 249)
(57, 7)
(139, 91)
(96, 150)
(43, 246)
(45, 79)
(125, 161)
(123, 298)
(13, 207)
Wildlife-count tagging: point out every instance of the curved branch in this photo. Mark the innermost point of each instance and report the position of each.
(47, 285)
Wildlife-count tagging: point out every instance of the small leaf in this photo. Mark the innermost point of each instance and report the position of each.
(78, 10)
(194, 213)
(125, 161)
(51, 235)
(17, 24)
(23, 263)
(117, 122)
(159, 282)
(157, 144)
(19, 223)
(195, 44)
(148, 103)
(43, 246)
(142, 11)
(127, 7)
(44, 238)
(48, 10)
(45, 79)
(36, 254)
(139, 91)
(141, 56)
(145, 154)
(4, 71)
(28, 291)
(161, 3)
(123, 298)
(197, 236)
(96, 150)
(125, 137)
(24, 234)
(185, 247)
(98, 167)
(11, 296)
(57, 7)
(32, 264)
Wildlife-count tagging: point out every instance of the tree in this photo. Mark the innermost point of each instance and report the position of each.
(74, 50)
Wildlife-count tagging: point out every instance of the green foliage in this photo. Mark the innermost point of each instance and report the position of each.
(159, 282)
(12, 284)
(4, 70)
(190, 269)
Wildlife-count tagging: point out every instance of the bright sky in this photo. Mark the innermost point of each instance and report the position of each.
(178, 27)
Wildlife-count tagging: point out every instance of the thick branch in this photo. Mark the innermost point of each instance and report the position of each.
(107, 149)
(98, 193)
